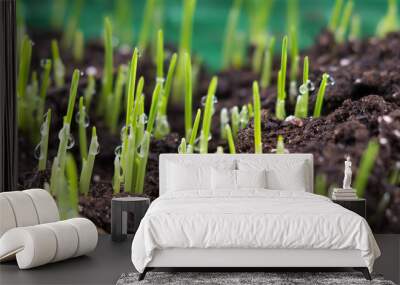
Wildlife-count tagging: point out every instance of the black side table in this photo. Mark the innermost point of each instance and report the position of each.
(358, 206)
(120, 207)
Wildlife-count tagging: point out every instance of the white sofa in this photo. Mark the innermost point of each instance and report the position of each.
(31, 233)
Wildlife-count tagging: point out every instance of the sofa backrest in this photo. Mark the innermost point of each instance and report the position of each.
(282, 162)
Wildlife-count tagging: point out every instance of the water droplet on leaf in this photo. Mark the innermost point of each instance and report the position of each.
(71, 141)
(36, 152)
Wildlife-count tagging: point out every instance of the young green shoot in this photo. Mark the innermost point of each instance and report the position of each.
(301, 110)
(258, 55)
(231, 142)
(72, 24)
(208, 112)
(182, 148)
(366, 165)
(117, 175)
(43, 89)
(23, 77)
(280, 111)
(355, 30)
(160, 56)
(122, 18)
(83, 123)
(257, 118)
(280, 146)
(188, 96)
(114, 109)
(238, 54)
(193, 134)
(153, 108)
(259, 12)
(235, 121)
(44, 141)
(59, 68)
(334, 21)
(251, 112)
(131, 88)
(233, 19)
(389, 23)
(321, 185)
(292, 26)
(344, 22)
(224, 120)
(267, 64)
(90, 89)
(107, 80)
(146, 25)
(162, 125)
(70, 192)
(320, 96)
(87, 164)
(79, 46)
(244, 117)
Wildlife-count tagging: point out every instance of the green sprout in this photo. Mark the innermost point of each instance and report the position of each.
(238, 53)
(320, 96)
(267, 64)
(43, 89)
(162, 125)
(44, 141)
(72, 24)
(280, 112)
(68, 200)
(321, 185)
(23, 77)
(258, 55)
(280, 146)
(83, 123)
(233, 19)
(235, 121)
(182, 148)
(58, 167)
(87, 164)
(301, 110)
(208, 112)
(244, 117)
(31, 102)
(114, 111)
(90, 90)
(184, 47)
(355, 30)
(366, 164)
(259, 12)
(193, 134)
(107, 81)
(117, 175)
(334, 21)
(188, 96)
(292, 27)
(78, 48)
(224, 120)
(220, 150)
(131, 87)
(231, 142)
(160, 55)
(257, 118)
(146, 24)
(250, 109)
(59, 68)
(389, 23)
(344, 22)
(123, 16)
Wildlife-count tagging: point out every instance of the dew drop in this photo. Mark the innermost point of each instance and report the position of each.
(91, 71)
(303, 89)
(345, 62)
(387, 119)
(123, 129)
(383, 141)
(43, 62)
(82, 73)
(143, 118)
(310, 86)
(396, 133)
(331, 81)
(118, 150)
(36, 152)
(71, 141)
(160, 79)
(204, 100)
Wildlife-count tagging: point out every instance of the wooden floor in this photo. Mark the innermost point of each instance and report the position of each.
(110, 260)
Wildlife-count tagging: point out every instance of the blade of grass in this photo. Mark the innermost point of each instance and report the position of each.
(344, 23)
(208, 112)
(267, 64)
(115, 101)
(72, 182)
(233, 19)
(43, 89)
(188, 96)
(23, 77)
(117, 175)
(235, 121)
(231, 142)
(257, 118)
(280, 112)
(146, 25)
(389, 23)
(82, 129)
(107, 80)
(366, 165)
(195, 128)
(88, 163)
(224, 119)
(280, 146)
(320, 96)
(44, 141)
(59, 68)
(334, 21)
(160, 55)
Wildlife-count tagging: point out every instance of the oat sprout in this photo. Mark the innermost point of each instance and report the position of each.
(23, 77)
(320, 96)
(301, 110)
(334, 21)
(280, 112)
(43, 89)
(231, 142)
(146, 25)
(79, 46)
(257, 118)
(82, 122)
(367, 162)
(88, 163)
(233, 19)
(389, 23)
(355, 30)
(280, 146)
(267, 64)
(59, 68)
(44, 141)
(344, 22)
(188, 96)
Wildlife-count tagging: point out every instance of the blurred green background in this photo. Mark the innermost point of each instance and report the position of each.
(209, 23)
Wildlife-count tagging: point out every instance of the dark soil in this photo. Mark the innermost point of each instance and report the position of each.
(346, 131)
